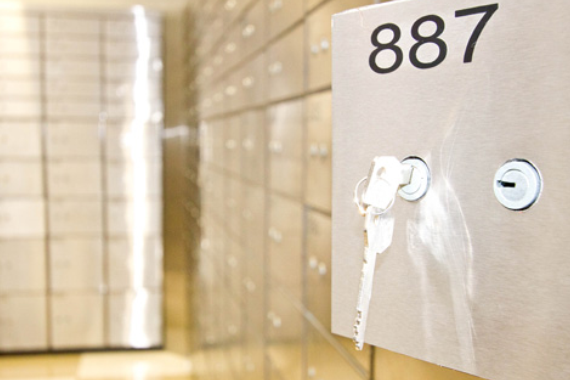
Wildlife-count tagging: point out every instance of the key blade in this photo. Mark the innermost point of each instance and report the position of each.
(364, 297)
(378, 236)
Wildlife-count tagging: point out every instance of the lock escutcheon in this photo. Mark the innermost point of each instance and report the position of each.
(517, 184)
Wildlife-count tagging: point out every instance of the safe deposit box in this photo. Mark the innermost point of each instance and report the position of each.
(477, 275)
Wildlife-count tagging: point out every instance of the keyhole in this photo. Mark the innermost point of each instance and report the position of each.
(507, 184)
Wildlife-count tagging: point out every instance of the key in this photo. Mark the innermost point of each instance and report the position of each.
(385, 177)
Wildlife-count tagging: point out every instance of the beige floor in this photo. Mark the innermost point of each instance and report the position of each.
(148, 365)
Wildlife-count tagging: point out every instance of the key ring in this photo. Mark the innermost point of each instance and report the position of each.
(362, 209)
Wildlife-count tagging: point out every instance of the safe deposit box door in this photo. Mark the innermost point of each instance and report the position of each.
(465, 85)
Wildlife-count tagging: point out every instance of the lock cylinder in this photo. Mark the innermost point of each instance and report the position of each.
(517, 184)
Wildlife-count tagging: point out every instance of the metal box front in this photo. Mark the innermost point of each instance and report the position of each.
(466, 283)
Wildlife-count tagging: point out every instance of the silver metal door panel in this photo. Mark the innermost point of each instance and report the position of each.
(232, 146)
(466, 283)
(17, 25)
(133, 264)
(135, 319)
(253, 355)
(64, 91)
(20, 140)
(140, 217)
(76, 264)
(318, 248)
(63, 109)
(253, 218)
(284, 336)
(19, 47)
(77, 321)
(22, 218)
(234, 269)
(21, 179)
(22, 266)
(253, 28)
(285, 127)
(285, 66)
(75, 218)
(232, 48)
(234, 329)
(234, 206)
(24, 323)
(285, 244)
(254, 80)
(23, 110)
(65, 25)
(71, 47)
(254, 295)
(283, 14)
(253, 146)
(29, 89)
(74, 71)
(69, 140)
(324, 361)
(130, 179)
(235, 98)
(19, 68)
(234, 8)
(318, 151)
(74, 178)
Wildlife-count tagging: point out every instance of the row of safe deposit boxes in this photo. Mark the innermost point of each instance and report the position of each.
(80, 173)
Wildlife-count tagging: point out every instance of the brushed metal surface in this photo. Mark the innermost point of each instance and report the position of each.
(24, 323)
(466, 283)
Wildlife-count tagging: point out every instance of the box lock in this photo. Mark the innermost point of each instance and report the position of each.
(517, 184)
(420, 180)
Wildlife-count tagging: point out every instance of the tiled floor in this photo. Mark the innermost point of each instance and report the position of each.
(148, 365)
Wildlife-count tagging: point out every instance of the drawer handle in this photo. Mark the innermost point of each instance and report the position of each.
(275, 147)
(230, 48)
(314, 150)
(248, 82)
(311, 372)
(248, 31)
(275, 68)
(247, 144)
(231, 90)
(231, 144)
(313, 262)
(275, 6)
(315, 49)
(249, 285)
(230, 5)
(275, 235)
(322, 269)
(323, 150)
(218, 60)
(325, 45)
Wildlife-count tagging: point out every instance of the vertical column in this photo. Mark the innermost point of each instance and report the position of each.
(133, 85)
(73, 108)
(22, 207)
